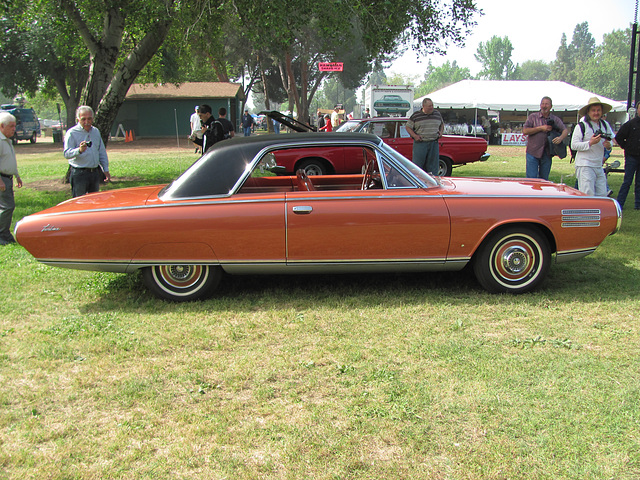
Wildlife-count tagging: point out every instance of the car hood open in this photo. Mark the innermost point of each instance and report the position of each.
(288, 121)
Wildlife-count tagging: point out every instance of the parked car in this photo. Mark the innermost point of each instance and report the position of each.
(390, 104)
(455, 151)
(230, 213)
(27, 124)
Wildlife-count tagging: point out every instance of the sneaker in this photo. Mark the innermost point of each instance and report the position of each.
(610, 193)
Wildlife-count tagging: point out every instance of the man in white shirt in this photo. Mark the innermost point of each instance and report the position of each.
(590, 144)
(196, 127)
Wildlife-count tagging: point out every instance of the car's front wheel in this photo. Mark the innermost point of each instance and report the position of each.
(33, 138)
(445, 167)
(512, 260)
(182, 283)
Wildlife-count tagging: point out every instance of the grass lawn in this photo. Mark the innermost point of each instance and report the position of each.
(324, 377)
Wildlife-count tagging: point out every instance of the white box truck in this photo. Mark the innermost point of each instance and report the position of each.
(389, 100)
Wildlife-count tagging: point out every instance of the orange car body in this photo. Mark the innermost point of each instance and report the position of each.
(335, 223)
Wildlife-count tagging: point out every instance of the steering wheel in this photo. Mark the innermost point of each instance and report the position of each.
(370, 179)
(368, 175)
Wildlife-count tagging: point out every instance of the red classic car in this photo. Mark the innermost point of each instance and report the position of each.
(455, 150)
(230, 213)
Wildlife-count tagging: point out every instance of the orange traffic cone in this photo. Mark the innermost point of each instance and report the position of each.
(127, 137)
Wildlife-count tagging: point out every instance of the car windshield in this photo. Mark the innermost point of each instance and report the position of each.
(350, 126)
(426, 179)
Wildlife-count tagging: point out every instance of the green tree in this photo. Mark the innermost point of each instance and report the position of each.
(36, 55)
(563, 67)
(606, 71)
(106, 44)
(533, 70)
(357, 33)
(436, 78)
(495, 57)
(583, 44)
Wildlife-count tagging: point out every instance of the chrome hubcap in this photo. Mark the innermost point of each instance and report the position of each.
(515, 260)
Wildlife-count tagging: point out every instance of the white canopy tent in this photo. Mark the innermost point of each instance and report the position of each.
(512, 100)
(513, 95)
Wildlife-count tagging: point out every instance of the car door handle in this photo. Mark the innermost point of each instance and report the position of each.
(302, 210)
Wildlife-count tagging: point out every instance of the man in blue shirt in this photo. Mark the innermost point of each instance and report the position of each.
(87, 155)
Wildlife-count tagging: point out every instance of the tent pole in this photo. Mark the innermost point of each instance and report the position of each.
(475, 123)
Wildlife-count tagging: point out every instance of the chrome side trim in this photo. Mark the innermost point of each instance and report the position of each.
(581, 217)
(357, 194)
(274, 267)
(571, 255)
(580, 224)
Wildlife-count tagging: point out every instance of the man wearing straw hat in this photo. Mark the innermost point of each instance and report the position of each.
(590, 140)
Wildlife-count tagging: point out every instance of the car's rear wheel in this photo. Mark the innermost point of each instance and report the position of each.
(512, 260)
(313, 166)
(445, 167)
(182, 283)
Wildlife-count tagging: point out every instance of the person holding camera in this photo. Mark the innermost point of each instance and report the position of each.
(590, 143)
(87, 155)
(539, 126)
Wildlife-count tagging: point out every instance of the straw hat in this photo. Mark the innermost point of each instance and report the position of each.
(606, 108)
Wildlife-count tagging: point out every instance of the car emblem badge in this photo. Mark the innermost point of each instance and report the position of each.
(49, 228)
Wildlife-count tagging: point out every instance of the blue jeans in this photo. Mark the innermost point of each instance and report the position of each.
(631, 169)
(85, 181)
(426, 155)
(538, 167)
(247, 131)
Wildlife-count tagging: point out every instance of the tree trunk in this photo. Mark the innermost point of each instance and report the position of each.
(103, 52)
(105, 91)
(267, 102)
(293, 89)
(126, 75)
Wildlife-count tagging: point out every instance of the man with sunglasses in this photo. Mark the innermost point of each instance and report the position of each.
(87, 155)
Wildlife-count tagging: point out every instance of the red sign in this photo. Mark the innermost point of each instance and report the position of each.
(330, 66)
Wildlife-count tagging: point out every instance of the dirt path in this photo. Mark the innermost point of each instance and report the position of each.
(46, 145)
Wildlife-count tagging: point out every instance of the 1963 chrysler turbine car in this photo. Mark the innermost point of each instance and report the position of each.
(229, 212)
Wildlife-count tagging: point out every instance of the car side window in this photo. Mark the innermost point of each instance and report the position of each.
(394, 178)
(403, 131)
(381, 129)
(391, 128)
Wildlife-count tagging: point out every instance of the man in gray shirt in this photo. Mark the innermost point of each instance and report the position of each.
(8, 170)
(425, 127)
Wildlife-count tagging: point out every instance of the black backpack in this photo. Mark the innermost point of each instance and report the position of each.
(583, 128)
(218, 131)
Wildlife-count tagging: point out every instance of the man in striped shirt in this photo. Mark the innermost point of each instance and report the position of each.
(425, 127)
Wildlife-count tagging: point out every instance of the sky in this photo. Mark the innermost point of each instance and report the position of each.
(535, 33)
